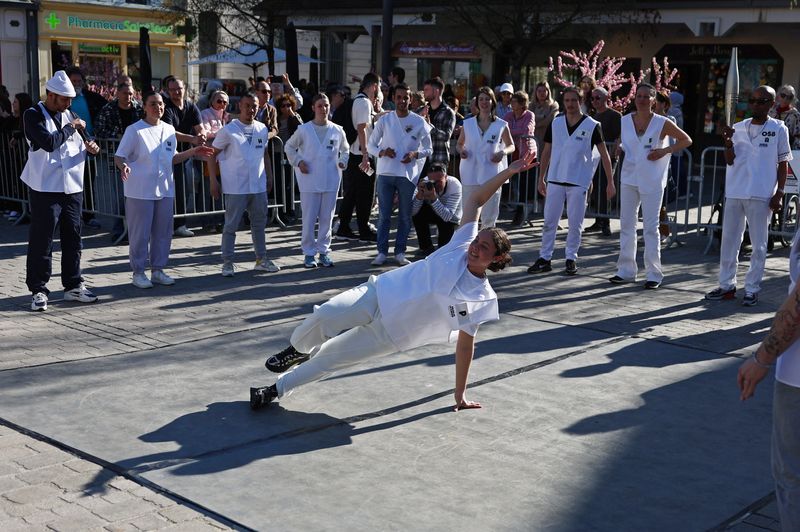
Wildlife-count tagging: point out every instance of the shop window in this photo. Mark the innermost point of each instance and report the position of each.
(61, 54)
(331, 53)
(159, 59)
(464, 78)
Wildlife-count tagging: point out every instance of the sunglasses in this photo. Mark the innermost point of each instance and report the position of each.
(760, 101)
(266, 91)
(787, 96)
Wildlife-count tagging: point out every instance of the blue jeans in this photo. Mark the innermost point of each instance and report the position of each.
(387, 185)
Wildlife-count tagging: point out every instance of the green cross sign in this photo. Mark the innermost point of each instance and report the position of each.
(53, 21)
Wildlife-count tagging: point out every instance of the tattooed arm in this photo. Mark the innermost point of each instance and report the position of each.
(784, 332)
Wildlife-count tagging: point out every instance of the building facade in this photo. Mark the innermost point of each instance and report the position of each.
(17, 43)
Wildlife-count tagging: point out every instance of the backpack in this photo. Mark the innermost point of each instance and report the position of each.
(343, 116)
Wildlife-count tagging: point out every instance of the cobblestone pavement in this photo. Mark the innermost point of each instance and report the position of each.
(42, 486)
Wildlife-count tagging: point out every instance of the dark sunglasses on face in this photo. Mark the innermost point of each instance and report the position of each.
(787, 96)
(222, 101)
(265, 91)
(760, 101)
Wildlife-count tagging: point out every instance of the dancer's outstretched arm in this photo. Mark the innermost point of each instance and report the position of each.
(473, 204)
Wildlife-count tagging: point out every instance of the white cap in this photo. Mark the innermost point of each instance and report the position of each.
(61, 85)
(507, 87)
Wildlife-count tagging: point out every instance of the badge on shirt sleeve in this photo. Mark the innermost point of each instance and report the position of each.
(168, 145)
(461, 313)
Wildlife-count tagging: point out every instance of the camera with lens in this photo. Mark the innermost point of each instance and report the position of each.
(428, 185)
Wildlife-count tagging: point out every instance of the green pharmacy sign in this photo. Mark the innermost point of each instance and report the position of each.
(77, 22)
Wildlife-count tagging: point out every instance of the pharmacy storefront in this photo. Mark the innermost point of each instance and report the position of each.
(104, 42)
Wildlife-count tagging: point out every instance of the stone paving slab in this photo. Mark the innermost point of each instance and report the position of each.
(649, 355)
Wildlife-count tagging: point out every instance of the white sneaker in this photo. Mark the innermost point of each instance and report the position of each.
(39, 302)
(379, 259)
(228, 269)
(266, 265)
(80, 294)
(140, 280)
(183, 231)
(159, 277)
(401, 259)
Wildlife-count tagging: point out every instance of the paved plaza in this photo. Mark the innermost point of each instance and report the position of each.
(606, 407)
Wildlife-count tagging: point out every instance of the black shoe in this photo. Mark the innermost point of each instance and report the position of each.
(285, 359)
(263, 396)
(345, 233)
(571, 268)
(596, 227)
(425, 252)
(519, 216)
(619, 280)
(606, 230)
(367, 236)
(652, 285)
(540, 266)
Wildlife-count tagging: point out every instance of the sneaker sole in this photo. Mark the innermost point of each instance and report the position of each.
(725, 297)
(345, 238)
(162, 284)
(142, 286)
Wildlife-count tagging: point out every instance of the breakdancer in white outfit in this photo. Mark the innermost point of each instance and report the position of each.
(436, 300)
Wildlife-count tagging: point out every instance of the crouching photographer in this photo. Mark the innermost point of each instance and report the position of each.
(438, 202)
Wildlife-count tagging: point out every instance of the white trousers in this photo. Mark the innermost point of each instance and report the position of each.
(756, 213)
(321, 335)
(575, 198)
(317, 207)
(490, 210)
(630, 200)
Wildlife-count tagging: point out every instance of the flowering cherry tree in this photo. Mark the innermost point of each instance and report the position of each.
(605, 72)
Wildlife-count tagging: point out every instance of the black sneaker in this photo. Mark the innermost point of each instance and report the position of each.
(519, 216)
(540, 266)
(345, 233)
(285, 359)
(367, 236)
(263, 396)
(606, 229)
(596, 227)
(619, 280)
(718, 294)
(652, 285)
(571, 268)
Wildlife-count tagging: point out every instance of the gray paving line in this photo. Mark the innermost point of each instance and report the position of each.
(180, 499)
(372, 415)
(164, 345)
(743, 514)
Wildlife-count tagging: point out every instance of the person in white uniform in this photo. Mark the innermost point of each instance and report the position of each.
(54, 175)
(645, 139)
(246, 172)
(319, 150)
(573, 143)
(440, 299)
(757, 154)
(782, 347)
(145, 158)
(401, 141)
(484, 145)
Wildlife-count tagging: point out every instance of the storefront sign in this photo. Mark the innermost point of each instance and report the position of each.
(105, 49)
(435, 49)
(74, 22)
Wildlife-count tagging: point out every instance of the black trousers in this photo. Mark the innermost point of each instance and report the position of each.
(422, 221)
(49, 209)
(359, 191)
(599, 198)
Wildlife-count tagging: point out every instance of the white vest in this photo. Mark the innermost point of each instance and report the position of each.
(415, 303)
(478, 167)
(60, 170)
(572, 156)
(322, 158)
(402, 141)
(241, 162)
(754, 173)
(788, 369)
(149, 151)
(649, 176)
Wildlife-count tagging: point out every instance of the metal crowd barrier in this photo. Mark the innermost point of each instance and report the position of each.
(13, 155)
(783, 225)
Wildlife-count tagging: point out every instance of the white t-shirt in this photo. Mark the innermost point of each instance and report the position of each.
(362, 114)
(470, 288)
(148, 150)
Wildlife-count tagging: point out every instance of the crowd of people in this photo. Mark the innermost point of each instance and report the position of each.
(399, 145)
